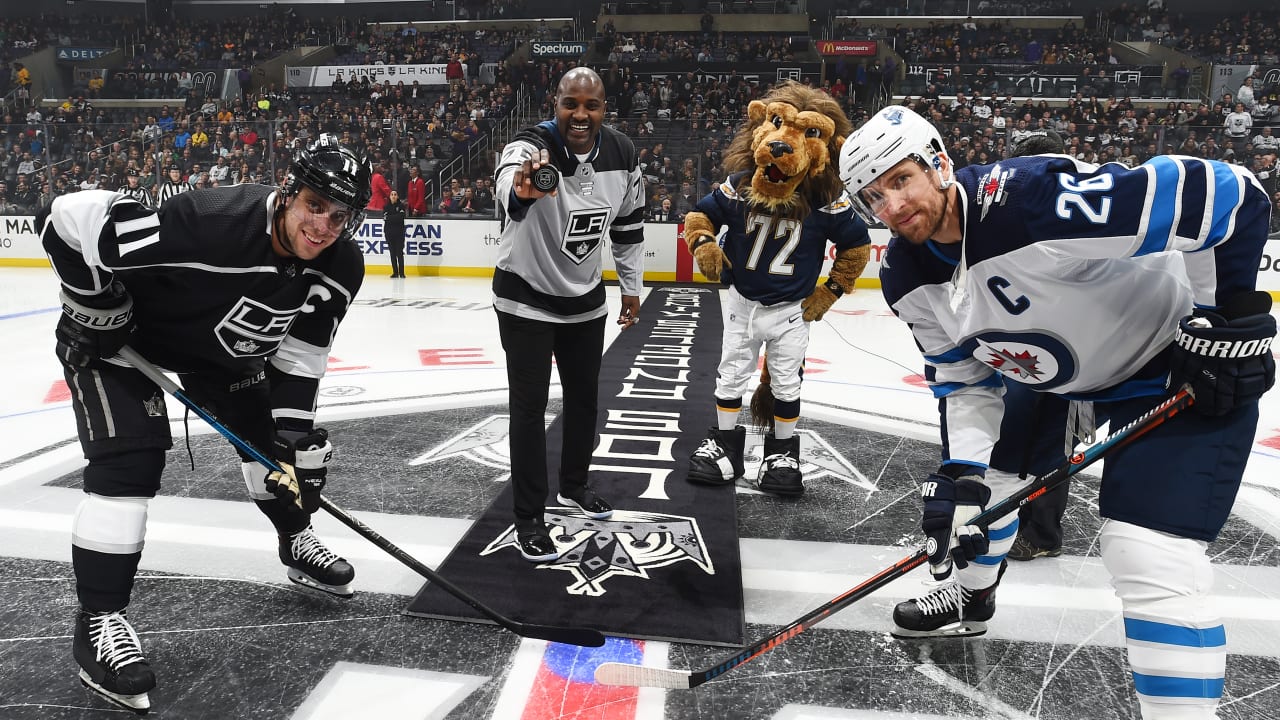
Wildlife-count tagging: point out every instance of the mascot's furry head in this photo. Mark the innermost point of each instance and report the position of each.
(791, 140)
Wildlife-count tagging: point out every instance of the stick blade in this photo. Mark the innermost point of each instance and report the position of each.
(584, 637)
(612, 673)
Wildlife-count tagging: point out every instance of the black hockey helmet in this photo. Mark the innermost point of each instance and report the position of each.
(334, 172)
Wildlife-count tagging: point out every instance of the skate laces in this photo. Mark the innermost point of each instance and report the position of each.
(708, 449)
(781, 460)
(951, 595)
(114, 640)
(306, 547)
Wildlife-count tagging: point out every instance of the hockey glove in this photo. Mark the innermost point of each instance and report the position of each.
(304, 457)
(1225, 356)
(949, 505)
(94, 327)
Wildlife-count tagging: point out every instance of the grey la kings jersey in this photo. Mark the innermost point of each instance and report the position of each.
(550, 261)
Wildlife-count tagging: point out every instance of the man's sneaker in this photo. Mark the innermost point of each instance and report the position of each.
(311, 564)
(591, 504)
(1023, 550)
(111, 662)
(780, 470)
(950, 611)
(718, 460)
(535, 541)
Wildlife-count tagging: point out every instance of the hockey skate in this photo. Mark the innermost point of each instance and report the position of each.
(111, 662)
(950, 611)
(780, 471)
(312, 565)
(718, 460)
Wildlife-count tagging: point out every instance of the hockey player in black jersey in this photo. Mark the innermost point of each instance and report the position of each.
(239, 291)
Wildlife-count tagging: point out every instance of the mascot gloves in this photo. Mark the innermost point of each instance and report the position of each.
(848, 265)
(700, 235)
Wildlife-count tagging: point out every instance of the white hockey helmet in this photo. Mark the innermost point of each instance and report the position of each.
(895, 133)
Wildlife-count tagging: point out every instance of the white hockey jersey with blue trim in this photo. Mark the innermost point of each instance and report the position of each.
(1070, 280)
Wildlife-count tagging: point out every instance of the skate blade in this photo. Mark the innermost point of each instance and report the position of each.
(140, 704)
(963, 628)
(339, 591)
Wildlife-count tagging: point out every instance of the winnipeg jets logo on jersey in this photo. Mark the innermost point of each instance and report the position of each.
(583, 233)
(991, 189)
(1030, 358)
(252, 328)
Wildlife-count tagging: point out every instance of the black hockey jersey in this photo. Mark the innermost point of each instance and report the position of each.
(210, 295)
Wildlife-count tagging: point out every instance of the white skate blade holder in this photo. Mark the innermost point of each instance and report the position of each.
(140, 704)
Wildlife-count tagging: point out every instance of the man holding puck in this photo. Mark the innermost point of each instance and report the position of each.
(563, 183)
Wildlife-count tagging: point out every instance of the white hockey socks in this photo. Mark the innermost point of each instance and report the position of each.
(1176, 641)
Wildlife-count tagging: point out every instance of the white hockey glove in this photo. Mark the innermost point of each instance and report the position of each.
(949, 505)
(304, 457)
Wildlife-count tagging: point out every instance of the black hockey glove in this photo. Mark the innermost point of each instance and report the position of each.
(1225, 356)
(949, 505)
(304, 457)
(94, 327)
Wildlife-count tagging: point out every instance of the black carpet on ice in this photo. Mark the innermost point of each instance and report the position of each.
(666, 566)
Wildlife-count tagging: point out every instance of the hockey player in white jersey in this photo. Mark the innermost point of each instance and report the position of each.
(1058, 275)
(239, 291)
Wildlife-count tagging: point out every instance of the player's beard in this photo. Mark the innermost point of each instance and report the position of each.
(916, 238)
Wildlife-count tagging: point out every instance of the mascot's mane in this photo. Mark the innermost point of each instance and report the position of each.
(812, 175)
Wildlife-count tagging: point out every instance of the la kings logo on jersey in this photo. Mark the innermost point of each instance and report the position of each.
(253, 329)
(584, 233)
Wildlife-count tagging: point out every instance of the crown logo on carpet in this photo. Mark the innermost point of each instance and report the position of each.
(630, 544)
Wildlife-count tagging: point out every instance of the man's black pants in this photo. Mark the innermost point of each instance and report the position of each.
(530, 346)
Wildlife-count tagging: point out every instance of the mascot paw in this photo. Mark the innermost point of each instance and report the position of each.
(817, 304)
(710, 259)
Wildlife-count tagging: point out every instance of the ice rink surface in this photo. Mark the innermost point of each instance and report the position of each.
(415, 400)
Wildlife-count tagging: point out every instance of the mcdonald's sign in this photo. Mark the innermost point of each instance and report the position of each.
(847, 47)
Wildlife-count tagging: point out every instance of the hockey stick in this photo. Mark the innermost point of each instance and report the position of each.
(612, 673)
(585, 637)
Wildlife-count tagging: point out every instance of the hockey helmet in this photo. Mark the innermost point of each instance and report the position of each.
(333, 172)
(892, 135)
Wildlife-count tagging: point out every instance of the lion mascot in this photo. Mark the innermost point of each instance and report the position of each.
(781, 204)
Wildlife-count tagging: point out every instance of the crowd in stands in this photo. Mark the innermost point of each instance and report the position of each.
(680, 122)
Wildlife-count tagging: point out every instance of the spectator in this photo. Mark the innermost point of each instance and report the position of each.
(416, 193)
(381, 190)
(663, 213)
(484, 196)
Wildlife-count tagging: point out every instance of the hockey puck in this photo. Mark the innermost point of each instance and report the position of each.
(546, 178)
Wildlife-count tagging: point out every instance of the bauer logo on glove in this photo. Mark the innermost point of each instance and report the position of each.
(303, 459)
